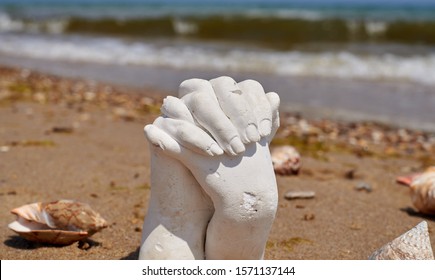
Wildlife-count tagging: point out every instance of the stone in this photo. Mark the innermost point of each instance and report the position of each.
(412, 245)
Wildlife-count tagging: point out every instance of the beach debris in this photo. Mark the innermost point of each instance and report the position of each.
(62, 129)
(32, 143)
(8, 193)
(412, 245)
(300, 195)
(309, 217)
(355, 226)
(5, 149)
(89, 95)
(124, 114)
(365, 138)
(286, 160)
(422, 186)
(363, 186)
(350, 174)
(61, 222)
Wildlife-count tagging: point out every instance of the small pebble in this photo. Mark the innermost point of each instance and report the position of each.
(84, 245)
(300, 194)
(62, 129)
(350, 174)
(5, 149)
(309, 217)
(363, 186)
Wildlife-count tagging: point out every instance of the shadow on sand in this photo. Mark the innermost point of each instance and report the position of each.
(19, 242)
(133, 255)
(411, 212)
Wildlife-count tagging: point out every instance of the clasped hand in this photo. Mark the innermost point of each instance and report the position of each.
(214, 193)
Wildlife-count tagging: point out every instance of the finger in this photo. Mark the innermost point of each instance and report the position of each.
(235, 106)
(161, 139)
(254, 94)
(274, 101)
(176, 109)
(189, 136)
(199, 97)
(181, 127)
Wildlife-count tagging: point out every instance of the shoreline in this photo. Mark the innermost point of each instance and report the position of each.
(397, 103)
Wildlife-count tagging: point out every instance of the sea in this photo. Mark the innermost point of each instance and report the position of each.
(331, 40)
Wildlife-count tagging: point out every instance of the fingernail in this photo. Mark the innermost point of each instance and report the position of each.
(237, 145)
(265, 127)
(252, 133)
(216, 150)
(161, 145)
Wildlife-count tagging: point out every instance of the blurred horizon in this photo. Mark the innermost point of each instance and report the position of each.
(389, 2)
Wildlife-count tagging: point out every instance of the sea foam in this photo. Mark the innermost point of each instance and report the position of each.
(339, 64)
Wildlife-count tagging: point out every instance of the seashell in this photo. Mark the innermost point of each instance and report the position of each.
(422, 188)
(286, 160)
(61, 222)
(412, 245)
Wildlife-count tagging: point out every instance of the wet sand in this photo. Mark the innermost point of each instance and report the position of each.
(102, 159)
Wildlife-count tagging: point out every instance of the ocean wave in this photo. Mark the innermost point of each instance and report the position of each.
(272, 32)
(339, 64)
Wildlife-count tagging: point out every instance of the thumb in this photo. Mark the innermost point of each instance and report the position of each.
(159, 138)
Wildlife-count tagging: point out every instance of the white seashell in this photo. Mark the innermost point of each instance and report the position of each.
(412, 245)
(60, 222)
(286, 160)
(422, 188)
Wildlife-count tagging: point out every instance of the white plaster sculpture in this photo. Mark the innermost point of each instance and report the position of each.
(214, 193)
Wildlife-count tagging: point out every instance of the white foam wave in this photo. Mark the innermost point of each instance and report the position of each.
(304, 14)
(8, 24)
(184, 27)
(345, 65)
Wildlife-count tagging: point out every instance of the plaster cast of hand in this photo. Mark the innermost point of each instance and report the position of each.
(242, 188)
(251, 113)
(233, 113)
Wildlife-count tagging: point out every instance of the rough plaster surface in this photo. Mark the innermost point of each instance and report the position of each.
(214, 193)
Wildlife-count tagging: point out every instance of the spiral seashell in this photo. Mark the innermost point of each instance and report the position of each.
(422, 188)
(412, 245)
(59, 222)
(286, 160)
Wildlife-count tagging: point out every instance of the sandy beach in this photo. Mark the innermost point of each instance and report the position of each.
(397, 102)
(65, 138)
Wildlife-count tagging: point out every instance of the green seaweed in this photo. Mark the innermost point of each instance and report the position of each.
(288, 244)
(20, 88)
(33, 143)
(305, 145)
(144, 186)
